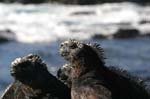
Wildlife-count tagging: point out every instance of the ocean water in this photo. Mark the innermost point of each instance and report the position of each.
(41, 28)
(50, 22)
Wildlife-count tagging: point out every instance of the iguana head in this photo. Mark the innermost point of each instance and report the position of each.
(28, 68)
(79, 53)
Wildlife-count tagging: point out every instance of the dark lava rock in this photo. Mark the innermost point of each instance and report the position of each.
(144, 21)
(24, 1)
(6, 35)
(99, 36)
(31, 1)
(126, 33)
(89, 2)
(12, 90)
(83, 13)
(146, 35)
(80, 2)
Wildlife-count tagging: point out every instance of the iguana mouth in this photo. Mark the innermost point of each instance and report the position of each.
(64, 53)
(64, 73)
(13, 71)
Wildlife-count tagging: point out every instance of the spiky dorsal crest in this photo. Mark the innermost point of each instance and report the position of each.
(32, 58)
(98, 49)
(36, 60)
(132, 78)
(74, 42)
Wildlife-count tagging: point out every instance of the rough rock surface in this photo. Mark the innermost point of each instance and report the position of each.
(126, 33)
(6, 35)
(81, 2)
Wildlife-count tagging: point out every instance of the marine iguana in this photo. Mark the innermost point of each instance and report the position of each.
(92, 79)
(33, 81)
(63, 74)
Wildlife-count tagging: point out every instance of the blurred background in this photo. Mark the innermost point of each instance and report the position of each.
(122, 27)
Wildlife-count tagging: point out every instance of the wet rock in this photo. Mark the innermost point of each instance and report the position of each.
(31, 1)
(89, 2)
(7, 1)
(6, 35)
(146, 35)
(83, 13)
(3, 40)
(99, 36)
(144, 21)
(24, 1)
(126, 33)
(80, 2)
(14, 87)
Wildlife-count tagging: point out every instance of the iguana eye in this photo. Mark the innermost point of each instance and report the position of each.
(61, 45)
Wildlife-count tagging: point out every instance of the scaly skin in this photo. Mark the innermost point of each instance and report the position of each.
(63, 74)
(34, 80)
(91, 79)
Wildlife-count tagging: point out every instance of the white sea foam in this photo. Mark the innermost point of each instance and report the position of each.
(50, 22)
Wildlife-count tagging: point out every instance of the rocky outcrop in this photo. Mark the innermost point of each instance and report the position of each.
(99, 36)
(122, 33)
(31, 1)
(126, 33)
(6, 35)
(83, 13)
(24, 1)
(80, 2)
(87, 2)
(144, 22)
